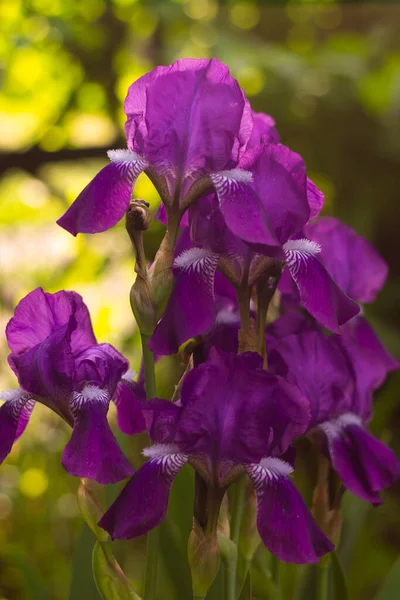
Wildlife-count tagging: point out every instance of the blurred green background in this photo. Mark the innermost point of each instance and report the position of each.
(329, 74)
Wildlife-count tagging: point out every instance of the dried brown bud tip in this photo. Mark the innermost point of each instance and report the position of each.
(138, 216)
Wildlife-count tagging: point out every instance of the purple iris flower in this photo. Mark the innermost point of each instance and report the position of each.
(232, 417)
(192, 306)
(338, 374)
(184, 122)
(269, 208)
(202, 298)
(58, 363)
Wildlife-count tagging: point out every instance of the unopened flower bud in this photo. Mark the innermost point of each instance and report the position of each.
(141, 296)
(160, 273)
(204, 559)
(108, 575)
(142, 305)
(90, 504)
(137, 216)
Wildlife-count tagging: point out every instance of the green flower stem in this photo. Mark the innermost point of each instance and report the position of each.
(322, 578)
(275, 566)
(153, 537)
(110, 580)
(149, 372)
(237, 514)
(150, 582)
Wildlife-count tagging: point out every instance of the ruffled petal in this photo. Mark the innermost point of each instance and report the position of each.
(364, 464)
(39, 314)
(369, 359)
(14, 417)
(128, 398)
(351, 260)
(284, 522)
(317, 366)
(143, 502)
(161, 417)
(279, 180)
(319, 294)
(263, 127)
(191, 306)
(100, 365)
(188, 119)
(315, 199)
(242, 208)
(234, 411)
(47, 369)
(93, 451)
(105, 199)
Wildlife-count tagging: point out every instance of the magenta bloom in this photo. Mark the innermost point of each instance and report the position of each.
(193, 305)
(232, 415)
(183, 122)
(351, 260)
(338, 375)
(58, 362)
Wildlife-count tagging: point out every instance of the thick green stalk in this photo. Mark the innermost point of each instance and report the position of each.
(153, 537)
(149, 371)
(322, 579)
(150, 582)
(237, 514)
(275, 566)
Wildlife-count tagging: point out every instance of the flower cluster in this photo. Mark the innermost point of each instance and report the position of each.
(245, 242)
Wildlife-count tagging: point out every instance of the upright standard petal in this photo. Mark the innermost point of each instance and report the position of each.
(143, 502)
(105, 199)
(129, 397)
(161, 418)
(311, 361)
(235, 412)
(101, 365)
(93, 451)
(369, 360)
(47, 369)
(284, 522)
(351, 260)
(39, 314)
(280, 181)
(14, 417)
(263, 128)
(319, 294)
(315, 199)
(364, 464)
(191, 306)
(188, 119)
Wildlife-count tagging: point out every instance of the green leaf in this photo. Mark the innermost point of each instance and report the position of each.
(108, 575)
(82, 583)
(246, 591)
(390, 589)
(338, 578)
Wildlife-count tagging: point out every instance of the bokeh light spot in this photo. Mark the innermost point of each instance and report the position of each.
(33, 483)
(201, 9)
(251, 80)
(245, 15)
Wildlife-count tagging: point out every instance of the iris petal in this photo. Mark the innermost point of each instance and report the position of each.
(284, 522)
(143, 502)
(105, 199)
